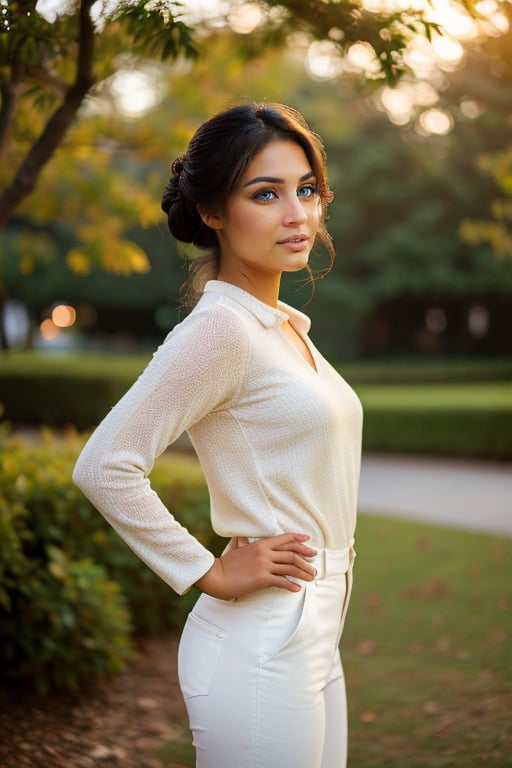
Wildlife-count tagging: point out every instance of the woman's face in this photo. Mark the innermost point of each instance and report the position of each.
(272, 217)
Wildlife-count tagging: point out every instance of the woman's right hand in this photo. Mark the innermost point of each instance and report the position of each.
(245, 568)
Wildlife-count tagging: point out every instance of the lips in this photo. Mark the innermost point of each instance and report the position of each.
(293, 239)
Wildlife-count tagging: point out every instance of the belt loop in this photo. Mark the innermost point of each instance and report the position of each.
(320, 564)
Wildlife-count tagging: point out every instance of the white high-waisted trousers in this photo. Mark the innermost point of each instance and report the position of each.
(261, 675)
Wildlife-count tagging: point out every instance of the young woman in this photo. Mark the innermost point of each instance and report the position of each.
(278, 435)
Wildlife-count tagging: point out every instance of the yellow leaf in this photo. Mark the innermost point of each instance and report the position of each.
(57, 571)
(125, 258)
(26, 264)
(78, 262)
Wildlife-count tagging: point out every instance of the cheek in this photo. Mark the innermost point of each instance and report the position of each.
(243, 221)
(317, 215)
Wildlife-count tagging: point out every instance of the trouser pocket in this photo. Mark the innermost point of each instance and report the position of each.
(287, 623)
(198, 655)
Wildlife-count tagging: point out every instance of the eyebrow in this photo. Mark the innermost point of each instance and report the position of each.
(275, 179)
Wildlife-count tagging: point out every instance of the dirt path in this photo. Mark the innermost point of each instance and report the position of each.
(126, 721)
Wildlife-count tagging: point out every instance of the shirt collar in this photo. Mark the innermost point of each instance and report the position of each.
(267, 315)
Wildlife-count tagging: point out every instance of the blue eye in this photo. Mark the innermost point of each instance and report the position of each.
(264, 194)
(308, 190)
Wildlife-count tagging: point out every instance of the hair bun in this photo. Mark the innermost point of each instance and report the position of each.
(178, 165)
(183, 219)
(171, 194)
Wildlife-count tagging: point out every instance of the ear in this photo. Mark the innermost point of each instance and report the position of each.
(210, 218)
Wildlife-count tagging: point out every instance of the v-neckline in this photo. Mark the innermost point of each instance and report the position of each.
(309, 360)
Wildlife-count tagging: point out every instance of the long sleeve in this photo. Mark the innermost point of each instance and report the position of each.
(196, 371)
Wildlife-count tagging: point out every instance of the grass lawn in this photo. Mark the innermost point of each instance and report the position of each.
(427, 647)
(482, 395)
(426, 650)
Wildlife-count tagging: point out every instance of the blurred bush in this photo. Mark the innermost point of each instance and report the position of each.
(60, 398)
(72, 595)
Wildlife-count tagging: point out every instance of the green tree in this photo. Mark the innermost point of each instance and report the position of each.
(47, 68)
(487, 79)
(399, 200)
(53, 65)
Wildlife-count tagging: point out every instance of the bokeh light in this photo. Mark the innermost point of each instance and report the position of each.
(246, 18)
(323, 60)
(435, 320)
(478, 321)
(135, 92)
(48, 330)
(63, 316)
(436, 121)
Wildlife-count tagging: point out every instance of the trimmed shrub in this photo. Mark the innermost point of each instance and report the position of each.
(72, 594)
(465, 433)
(464, 420)
(60, 399)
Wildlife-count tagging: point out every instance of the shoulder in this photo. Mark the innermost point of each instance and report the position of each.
(212, 324)
(212, 336)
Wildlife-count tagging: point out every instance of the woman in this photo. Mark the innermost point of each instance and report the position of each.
(278, 435)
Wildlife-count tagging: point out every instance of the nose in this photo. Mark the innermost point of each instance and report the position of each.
(295, 212)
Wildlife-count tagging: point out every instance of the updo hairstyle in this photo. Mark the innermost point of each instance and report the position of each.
(204, 178)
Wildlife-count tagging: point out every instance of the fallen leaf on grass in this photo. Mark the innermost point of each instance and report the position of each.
(443, 643)
(416, 648)
(431, 708)
(474, 571)
(373, 601)
(424, 543)
(366, 647)
(367, 716)
(435, 588)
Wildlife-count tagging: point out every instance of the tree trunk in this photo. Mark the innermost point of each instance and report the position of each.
(56, 127)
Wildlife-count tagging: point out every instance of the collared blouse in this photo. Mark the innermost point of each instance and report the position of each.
(279, 440)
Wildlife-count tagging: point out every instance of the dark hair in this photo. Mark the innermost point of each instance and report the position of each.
(216, 159)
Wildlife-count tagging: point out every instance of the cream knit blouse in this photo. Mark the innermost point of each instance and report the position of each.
(279, 442)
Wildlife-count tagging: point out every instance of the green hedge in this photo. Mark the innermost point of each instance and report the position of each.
(60, 399)
(463, 420)
(461, 433)
(428, 370)
(72, 595)
(446, 407)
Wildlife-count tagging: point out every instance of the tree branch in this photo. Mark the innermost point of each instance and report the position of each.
(9, 92)
(54, 130)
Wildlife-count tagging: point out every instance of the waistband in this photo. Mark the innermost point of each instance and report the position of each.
(333, 562)
(330, 562)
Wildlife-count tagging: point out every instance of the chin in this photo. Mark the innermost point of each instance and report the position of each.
(297, 266)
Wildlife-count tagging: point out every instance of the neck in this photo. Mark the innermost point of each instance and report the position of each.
(262, 287)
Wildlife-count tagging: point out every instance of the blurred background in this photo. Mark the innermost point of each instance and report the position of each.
(419, 154)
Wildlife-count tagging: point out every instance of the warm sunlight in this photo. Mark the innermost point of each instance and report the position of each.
(135, 91)
(245, 18)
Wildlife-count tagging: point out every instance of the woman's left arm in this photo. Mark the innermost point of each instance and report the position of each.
(198, 368)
